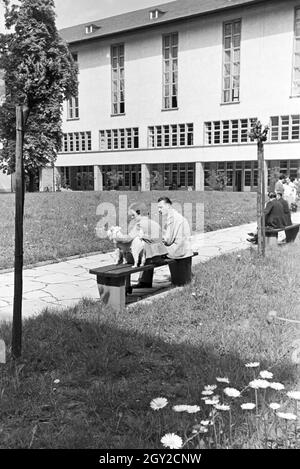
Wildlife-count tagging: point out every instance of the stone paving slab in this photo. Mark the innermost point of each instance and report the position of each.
(65, 283)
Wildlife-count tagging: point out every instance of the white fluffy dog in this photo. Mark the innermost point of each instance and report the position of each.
(136, 247)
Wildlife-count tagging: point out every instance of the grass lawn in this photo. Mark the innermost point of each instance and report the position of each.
(61, 224)
(111, 366)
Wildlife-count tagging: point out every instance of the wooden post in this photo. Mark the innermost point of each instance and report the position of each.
(261, 199)
(261, 136)
(21, 117)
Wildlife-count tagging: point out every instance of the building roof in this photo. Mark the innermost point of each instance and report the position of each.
(169, 12)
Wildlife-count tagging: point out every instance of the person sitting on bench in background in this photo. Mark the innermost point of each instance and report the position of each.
(286, 209)
(274, 216)
(152, 237)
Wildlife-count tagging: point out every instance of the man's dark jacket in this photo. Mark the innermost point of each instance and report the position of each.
(286, 210)
(274, 214)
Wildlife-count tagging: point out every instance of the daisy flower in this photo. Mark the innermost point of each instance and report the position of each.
(223, 380)
(287, 415)
(158, 403)
(210, 387)
(252, 365)
(259, 384)
(231, 392)
(207, 393)
(56, 381)
(266, 374)
(274, 406)
(205, 422)
(248, 406)
(180, 408)
(294, 395)
(212, 401)
(276, 386)
(172, 441)
(222, 407)
(192, 409)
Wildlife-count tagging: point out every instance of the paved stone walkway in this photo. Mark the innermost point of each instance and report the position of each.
(65, 283)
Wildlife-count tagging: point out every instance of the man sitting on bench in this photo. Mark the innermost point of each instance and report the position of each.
(176, 238)
(275, 216)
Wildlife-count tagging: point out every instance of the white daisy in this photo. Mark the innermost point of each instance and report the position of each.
(210, 387)
(222, 407)
(223, 380)
(252, 365)
(231, 392)
(158, 403)
(259, 384)
(212, 401)
(287, 415)
(274, 406)
(180, 408)
(192, 409)
(294, 395)
(248, 406)
(56, 381)
(172, 441)
(266, 374)
(205, 422)
(276, 386)
(207, 393)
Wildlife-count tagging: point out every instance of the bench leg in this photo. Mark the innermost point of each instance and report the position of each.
(112, 292)
(181, 271)
(291, 234)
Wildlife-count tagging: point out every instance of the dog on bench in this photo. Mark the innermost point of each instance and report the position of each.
(136, 247)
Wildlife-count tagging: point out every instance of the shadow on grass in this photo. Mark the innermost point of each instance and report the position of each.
(109, 371)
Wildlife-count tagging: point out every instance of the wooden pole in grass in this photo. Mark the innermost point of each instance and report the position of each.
(21, 117)
(260, 136)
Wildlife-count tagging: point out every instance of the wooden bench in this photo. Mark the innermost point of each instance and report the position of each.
(112, 279)
(290, 233)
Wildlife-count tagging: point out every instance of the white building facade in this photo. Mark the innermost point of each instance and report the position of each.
(172, 92)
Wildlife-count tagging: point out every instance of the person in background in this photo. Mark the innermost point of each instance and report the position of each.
(275, 216)
(286, 209)
(279, 184)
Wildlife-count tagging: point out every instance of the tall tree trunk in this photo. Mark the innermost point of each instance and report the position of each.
(21, 117)
(261, 199)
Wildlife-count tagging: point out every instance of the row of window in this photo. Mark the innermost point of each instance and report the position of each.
(232, 31)
(234, 131)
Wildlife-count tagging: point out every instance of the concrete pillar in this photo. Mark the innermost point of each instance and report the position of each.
(145, 177)
(199, 176)
(98, 178)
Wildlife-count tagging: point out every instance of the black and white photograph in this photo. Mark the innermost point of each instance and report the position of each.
(149, 230)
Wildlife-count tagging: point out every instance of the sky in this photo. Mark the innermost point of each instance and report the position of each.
(72, 12)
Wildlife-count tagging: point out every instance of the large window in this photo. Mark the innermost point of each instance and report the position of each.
(231, 61)
(170, 71)
(118, 79)
(174, 135)
(296, 58)
(285, 128)
(228, 131)
(77, 142)
(119, 139)
(73, 102)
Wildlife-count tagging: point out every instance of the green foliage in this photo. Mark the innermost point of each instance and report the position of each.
(39, 73)
(217, 180)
